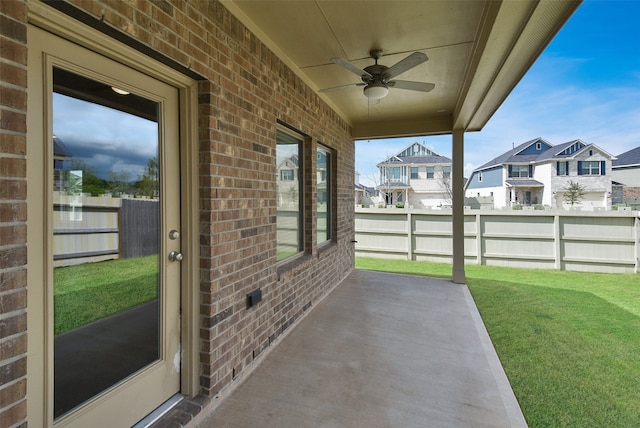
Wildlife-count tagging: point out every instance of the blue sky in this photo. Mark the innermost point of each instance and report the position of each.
(585, 85)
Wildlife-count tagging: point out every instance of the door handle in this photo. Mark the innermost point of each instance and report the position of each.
(175, 256)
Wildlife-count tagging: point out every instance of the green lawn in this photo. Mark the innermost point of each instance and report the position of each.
(92, 291)
(568, 341)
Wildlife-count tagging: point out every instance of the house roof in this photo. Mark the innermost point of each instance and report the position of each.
(478, 50)
(508, 157)
(514, 155)
(60, 149)
(409, 160)
(524, 183)
(629, 158)
(425, 155)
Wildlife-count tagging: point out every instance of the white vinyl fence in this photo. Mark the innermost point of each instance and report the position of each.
(594, 241)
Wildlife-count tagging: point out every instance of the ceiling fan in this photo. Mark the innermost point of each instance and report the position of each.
(377, 78)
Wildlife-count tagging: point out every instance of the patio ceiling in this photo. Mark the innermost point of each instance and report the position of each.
(478, 51)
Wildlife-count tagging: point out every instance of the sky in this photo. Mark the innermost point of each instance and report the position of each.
(585, 85)
(107, 140)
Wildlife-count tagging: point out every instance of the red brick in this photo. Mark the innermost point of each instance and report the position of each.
(13, 50)
(13, 393)
(13, 144)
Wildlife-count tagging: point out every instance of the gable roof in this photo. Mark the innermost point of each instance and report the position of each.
(508, 156)
(415, 153)
(566, 150)
(629, 158)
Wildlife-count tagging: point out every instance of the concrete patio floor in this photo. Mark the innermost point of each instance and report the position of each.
(381, 350)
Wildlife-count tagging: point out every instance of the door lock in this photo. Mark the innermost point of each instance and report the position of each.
(175, 256)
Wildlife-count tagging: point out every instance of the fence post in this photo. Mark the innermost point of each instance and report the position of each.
(636, 250)
(409, 236)
(479, 238)
(556, 241)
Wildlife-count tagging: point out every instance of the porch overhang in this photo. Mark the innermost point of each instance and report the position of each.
(523, 183)
(478, 51)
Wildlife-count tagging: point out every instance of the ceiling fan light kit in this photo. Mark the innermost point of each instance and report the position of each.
(377, 78)
(375, 91)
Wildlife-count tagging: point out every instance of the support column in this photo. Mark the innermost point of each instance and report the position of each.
(457, 184)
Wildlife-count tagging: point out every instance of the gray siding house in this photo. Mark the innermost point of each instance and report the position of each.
(538, 173)
(626, 171)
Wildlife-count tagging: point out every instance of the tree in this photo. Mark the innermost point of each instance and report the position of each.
(119, 182)
(573, 193)
(446, 184)
(148, 183)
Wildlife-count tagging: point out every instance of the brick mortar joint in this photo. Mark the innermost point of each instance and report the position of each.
(12, 405)
(13, 109)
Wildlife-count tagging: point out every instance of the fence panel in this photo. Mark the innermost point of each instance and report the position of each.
(593, 241)
(85, 228)
(139, 220)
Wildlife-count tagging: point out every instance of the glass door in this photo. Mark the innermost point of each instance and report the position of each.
(113, 242)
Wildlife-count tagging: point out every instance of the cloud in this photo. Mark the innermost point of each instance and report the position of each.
(106, 139)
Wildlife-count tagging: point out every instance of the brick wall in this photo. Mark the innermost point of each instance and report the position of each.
(13, 213)
(246, 92)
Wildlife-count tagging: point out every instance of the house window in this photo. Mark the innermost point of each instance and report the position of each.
(287, 175)
(446, 172)
(414, 172)
(562, 168)
(324, 182)
(430, 170)
(394, 173)
(479, 177)
(538, 146)
(289, 194)
(520, 171)
(591, 168)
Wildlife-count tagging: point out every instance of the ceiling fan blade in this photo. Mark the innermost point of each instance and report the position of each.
(337, 88)
(412, 86)
(409, 62)
(352, 68)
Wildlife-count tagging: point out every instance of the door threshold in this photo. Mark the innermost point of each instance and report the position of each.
(160, 411)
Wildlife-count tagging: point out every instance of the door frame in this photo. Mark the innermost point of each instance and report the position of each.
(39, 388)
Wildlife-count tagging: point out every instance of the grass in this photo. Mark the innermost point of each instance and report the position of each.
(89, 292)
(568, 341)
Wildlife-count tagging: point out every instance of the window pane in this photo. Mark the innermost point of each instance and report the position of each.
(323, 186)
(429, 172)
(289, 202)
(414, 172)
(106, 199)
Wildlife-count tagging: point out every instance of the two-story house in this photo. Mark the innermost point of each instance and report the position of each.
(626, 170)
(416, 176)
(538, 173)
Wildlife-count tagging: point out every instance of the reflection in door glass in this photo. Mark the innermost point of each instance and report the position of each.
(105, 236)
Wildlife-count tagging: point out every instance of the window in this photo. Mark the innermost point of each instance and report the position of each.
(324, 183)
(394, 173)
(430, 172)
(520, 171)
(414, 172)
(479, 177)
(538, 146)
(287, 175)
(289, 194)
(562, 168)
(591, 168)
(446, 172)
